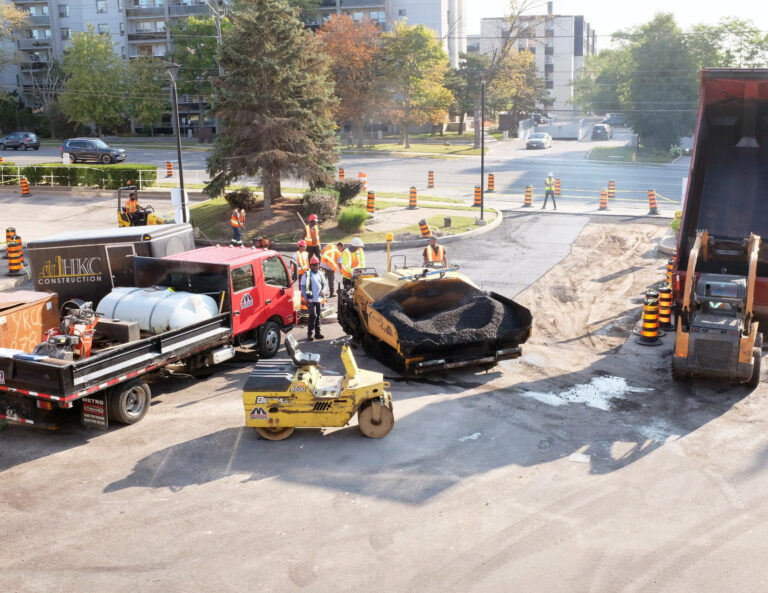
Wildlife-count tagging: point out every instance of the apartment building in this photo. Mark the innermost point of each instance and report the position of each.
(137, 28)
(560, 44)
(446, 17)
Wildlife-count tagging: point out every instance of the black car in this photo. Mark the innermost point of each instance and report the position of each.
(92, 149)
(20, 140)
(614, 119)
(602, 132)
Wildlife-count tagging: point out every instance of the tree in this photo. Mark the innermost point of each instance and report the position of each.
(414, 64)
(195, 48)
(732, 43)
(46, 82)
(516, 88)
(659, 96)
(95, 84)
(596, 88)
(147, 101)
(354, 48)
(12, 19)
(275, 100)
(464, 83)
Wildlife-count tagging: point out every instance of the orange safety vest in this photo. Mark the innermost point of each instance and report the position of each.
(238, 219)
(302, 258)
(132, 206)
(330, 256)
(312, 236)
(432, 256)
(351, 261)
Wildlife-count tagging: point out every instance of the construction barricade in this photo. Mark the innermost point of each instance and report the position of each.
(371, 206)
(15, 257)
(649, 331)
(168, 169)
(653, 207)
(611, 189)
(491, 182)
(412, 200)
(478, 196)
(10, 233)
(528, 196)
(341, 174)
(364, 178)
(431, 179)
(24, 187)
(665, 308)
(603, 199)
(426, 233)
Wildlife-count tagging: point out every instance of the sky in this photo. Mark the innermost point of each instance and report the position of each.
(607, 16)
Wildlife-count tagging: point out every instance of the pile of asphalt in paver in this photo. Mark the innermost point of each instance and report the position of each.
(477, 318)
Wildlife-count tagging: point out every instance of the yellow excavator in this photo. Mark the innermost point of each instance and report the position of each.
(145, 215)
(717, 334)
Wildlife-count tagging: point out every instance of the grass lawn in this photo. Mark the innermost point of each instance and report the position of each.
(463, 149)
(623, 154)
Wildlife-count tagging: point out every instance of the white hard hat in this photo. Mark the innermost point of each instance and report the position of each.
(550, 174)
(356, 242)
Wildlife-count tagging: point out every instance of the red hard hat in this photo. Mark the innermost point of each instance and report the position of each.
(313, 218)
(302, 243)
(314, 260)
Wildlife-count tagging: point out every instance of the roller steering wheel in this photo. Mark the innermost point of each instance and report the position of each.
(343, 341)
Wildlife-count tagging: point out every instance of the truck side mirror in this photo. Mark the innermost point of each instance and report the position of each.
(294, 272)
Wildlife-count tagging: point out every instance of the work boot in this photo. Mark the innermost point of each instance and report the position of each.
(319, 336)
(310, 339)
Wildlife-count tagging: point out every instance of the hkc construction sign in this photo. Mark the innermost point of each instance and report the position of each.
(72, 271)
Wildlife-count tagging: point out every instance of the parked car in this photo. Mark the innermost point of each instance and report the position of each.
(539, 119)
(92, 149)
(539, 140)
(602, 132)
(614, 119)
(20, 140)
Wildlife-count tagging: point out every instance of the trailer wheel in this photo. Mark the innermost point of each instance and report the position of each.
(129, 403)
(275, 434)
(375, 429)
(269, 341)
(754, 380)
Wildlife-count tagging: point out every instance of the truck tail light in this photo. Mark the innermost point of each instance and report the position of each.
(43, 405)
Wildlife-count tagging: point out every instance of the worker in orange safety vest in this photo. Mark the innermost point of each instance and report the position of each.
(352, 258)
(330, 262)
(312, 236)
(132, 208)
(237, 221)
(302, 257)
(434, 252)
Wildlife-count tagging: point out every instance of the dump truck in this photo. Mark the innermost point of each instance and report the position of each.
(717, 335)
(184, 313)
(429, 318)
(725, 193)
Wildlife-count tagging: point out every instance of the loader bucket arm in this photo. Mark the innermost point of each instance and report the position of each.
(753, 248)
(702, 240)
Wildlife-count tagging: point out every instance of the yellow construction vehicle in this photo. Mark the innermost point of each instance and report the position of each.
(144, 215)
(717, 334)
(278, 397)
(429, 318)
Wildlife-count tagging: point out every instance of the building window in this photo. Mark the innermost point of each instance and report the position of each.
(122, 28)
(120, 5)
(103, 29)
(357, 15)
(38, 10)
(122, 49)
(401, 12)
(65, 34)
(101, 6)
(377, 15)
(550, 84)
(63, 10)
(160, 26)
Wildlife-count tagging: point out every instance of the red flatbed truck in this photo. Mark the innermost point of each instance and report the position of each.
(254, 294)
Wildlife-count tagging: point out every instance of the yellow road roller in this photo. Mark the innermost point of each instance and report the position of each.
(278, 397)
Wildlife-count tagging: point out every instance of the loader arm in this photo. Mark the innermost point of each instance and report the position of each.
(754, 249)
(702, 240)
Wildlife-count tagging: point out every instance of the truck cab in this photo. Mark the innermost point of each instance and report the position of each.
(253, 285)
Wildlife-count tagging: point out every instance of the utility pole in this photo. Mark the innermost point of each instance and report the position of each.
(218, 14)
(178, 142)
(482, 147)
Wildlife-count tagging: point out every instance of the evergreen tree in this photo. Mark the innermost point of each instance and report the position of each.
(275, 100)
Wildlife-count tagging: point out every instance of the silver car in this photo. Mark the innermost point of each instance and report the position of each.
(539, 140)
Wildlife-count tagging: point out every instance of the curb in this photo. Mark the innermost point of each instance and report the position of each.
(668, 243)
(84, 192)
(381, 245)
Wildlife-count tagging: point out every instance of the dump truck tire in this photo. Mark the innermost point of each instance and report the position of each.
(754, 380)
(129, 403)
(370, 428)
(275, 434)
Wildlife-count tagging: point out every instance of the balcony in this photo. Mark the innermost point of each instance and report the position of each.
(34, 43)
(43, 19)
(182, 10)
(148, 11)
(28, 2)
(32, 66)
(145, 36)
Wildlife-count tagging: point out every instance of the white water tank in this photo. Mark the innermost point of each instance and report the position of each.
(156, 310)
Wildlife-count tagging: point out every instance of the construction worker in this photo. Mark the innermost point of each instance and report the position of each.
(237, 221)
(302, 257)
(132, 209)
(549, 190)
(352, 258)
(314, 289)
(261, 242)
(330, 261)
(434, 252)
(312, 236)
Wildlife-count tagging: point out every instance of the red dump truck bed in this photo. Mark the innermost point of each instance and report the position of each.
(728, 179)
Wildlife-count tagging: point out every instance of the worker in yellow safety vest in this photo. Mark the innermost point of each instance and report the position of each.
(549, 190)
(237, 221)
(132, 208)
(434, 252)
(312, 236)
(302, 257)
(330, 262)
(352, 258)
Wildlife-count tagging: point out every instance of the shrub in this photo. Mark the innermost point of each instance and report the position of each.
(675, 151)
(347, 189)
(675, 224)
(105, 176)
(241, 198)
(352, 218)
(322, 202)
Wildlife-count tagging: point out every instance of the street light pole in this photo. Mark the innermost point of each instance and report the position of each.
(482, 148)
(178, 145)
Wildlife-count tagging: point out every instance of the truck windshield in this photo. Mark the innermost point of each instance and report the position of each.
(275, 273)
